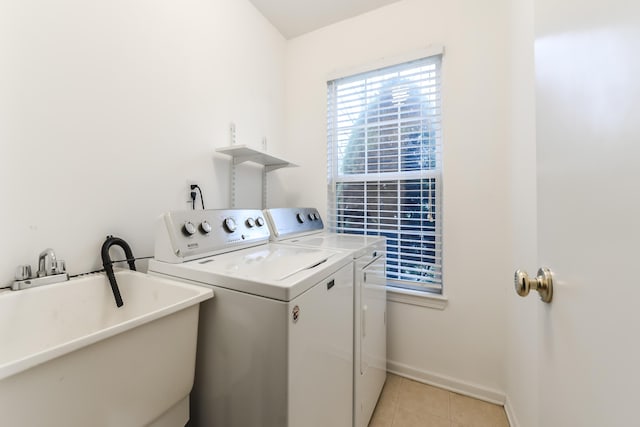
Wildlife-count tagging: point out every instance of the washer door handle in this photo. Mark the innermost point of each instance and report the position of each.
(363, 322)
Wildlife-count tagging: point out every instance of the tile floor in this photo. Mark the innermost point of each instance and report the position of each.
(407, 403)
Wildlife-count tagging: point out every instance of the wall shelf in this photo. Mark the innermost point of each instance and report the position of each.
(244, 153)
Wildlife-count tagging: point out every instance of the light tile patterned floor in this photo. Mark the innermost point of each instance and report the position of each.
(407, 403)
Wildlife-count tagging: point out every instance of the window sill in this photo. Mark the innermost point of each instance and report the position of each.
(422, 299)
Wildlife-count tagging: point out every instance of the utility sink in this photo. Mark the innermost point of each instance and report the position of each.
(70, 357)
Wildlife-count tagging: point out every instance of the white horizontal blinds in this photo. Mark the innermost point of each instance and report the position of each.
(384, 146)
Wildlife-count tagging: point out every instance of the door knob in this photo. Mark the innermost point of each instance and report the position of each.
(543, 283)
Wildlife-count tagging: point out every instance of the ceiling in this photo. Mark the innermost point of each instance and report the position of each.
(295, 17)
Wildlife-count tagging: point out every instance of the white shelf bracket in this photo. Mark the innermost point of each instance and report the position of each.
(241, 154)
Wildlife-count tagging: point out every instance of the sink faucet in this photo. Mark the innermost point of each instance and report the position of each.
(47, 263)
(50, 270)
(108, 264)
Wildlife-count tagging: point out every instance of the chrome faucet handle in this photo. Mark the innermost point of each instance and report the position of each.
(58, 267)
(23, 272)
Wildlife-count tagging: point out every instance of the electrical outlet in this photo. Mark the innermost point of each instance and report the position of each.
(190, 182)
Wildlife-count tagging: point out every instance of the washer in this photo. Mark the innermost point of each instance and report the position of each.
(303, 227)
(273, 349)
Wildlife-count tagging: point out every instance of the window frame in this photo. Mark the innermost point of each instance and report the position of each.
(405, 291)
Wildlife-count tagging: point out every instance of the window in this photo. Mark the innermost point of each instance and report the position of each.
(384, 168)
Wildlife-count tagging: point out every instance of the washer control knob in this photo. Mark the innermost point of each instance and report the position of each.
(230, 225)
(205, 227)
(188, 228)
(311, 217)
(250, 222)
(300, 218)
(259, 221)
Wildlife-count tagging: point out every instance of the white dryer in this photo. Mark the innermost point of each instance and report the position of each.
(273, 349)
(303, 227)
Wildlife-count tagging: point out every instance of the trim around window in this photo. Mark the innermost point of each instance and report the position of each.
(419, 298)
(386, 61)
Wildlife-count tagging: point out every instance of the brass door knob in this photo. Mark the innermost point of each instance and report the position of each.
(543, 283)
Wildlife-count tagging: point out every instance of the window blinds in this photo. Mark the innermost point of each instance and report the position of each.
(384, 169)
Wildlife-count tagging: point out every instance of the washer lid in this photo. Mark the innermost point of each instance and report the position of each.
(357, 244)
(272, 270)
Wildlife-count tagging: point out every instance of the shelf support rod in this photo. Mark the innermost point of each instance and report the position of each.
(264, 188)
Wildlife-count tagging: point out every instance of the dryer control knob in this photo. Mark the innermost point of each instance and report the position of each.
(205, 227)
(229, 225)
(188, 228)
(260, 221)
(300, 218)
(250, 222)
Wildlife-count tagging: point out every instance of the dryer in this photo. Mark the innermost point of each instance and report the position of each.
(273, 349)
(304, 228)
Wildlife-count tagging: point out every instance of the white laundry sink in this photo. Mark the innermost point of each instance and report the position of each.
(70, 357)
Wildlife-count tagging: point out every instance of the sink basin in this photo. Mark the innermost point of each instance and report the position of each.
(70, 357)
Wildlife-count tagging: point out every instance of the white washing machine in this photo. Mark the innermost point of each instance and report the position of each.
(273, 349)
(303, 227)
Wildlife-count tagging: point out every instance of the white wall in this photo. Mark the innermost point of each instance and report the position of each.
(522, 332)
(462, 346)
(107, 108)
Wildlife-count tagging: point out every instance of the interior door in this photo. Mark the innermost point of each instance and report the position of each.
(588, 179)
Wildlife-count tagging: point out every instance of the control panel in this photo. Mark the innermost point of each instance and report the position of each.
(290, 222)
(186, 235)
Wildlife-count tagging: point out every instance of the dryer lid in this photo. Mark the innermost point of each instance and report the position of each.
(338, 241)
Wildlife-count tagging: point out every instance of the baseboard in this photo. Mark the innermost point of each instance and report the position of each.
(513, 421)
(448, 383)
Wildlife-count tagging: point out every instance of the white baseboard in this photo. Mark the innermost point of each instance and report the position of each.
(448, 383)
(513, 421)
